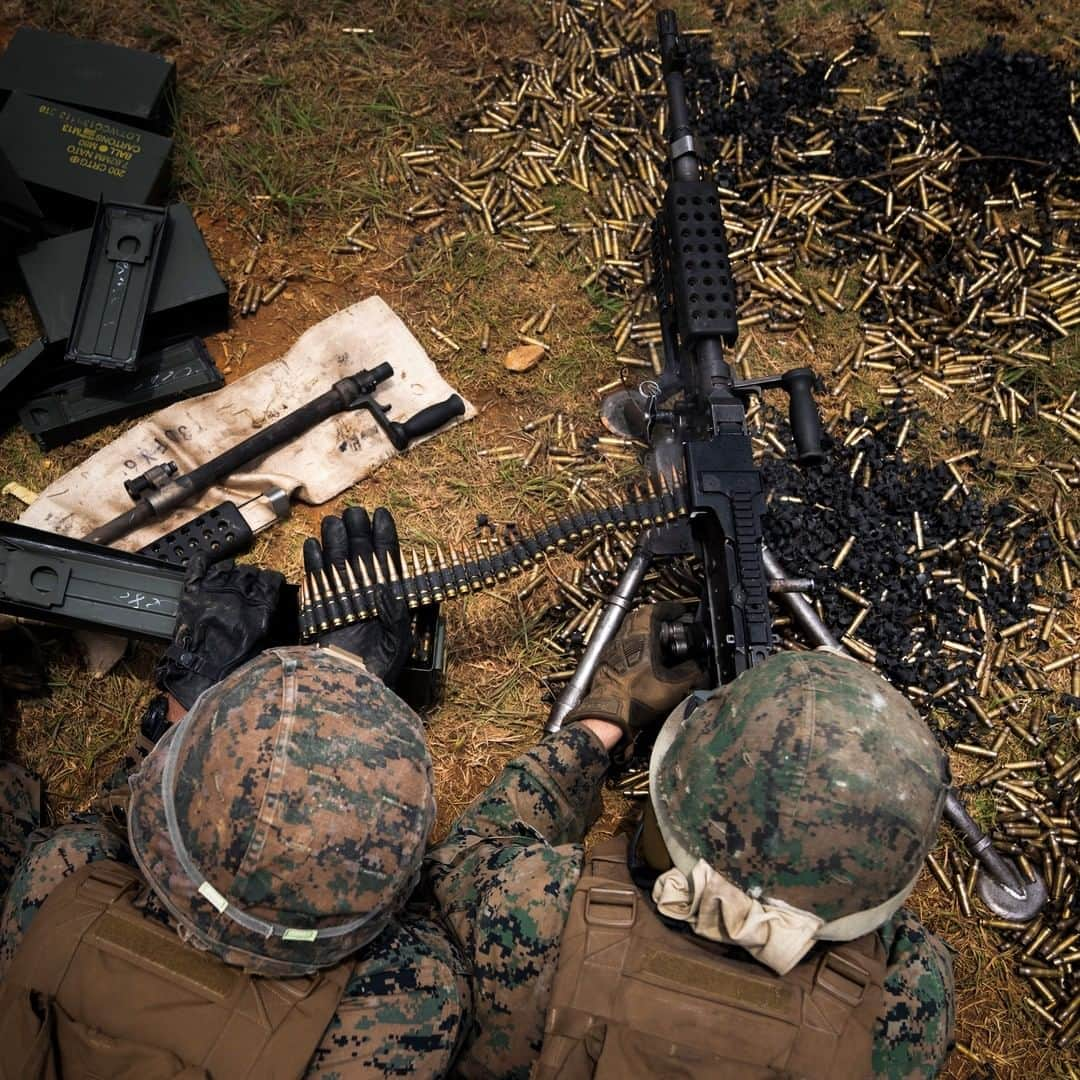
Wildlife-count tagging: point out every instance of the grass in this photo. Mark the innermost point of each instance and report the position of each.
(280, 111)
(290, 127)
(608, 309)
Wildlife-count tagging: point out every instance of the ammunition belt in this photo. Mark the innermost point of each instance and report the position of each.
(330, 599)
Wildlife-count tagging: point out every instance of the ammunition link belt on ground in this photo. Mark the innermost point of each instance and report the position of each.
(330, 599)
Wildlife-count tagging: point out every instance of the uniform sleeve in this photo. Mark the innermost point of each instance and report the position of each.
(915, 1035)
(503, 880)
(543, 801)
(405, 1010)
(20, 816)
(549, 793)
(67, 849)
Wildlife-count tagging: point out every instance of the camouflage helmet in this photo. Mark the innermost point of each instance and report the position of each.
(282, 822)
(808, 783)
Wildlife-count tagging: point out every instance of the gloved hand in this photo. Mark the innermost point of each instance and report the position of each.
(633, 687)
(223, 618)
(385, 641)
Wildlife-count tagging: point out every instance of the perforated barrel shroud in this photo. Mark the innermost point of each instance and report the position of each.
(698, 274)
(218, 533)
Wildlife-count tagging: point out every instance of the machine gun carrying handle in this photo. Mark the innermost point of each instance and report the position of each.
(803, 416)
(426, 420)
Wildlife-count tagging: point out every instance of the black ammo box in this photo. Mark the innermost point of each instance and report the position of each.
(86, 404)
(17, 376)
(126, 85)
(423, 678)
(20, 216)
(190, 299)
(70, 159)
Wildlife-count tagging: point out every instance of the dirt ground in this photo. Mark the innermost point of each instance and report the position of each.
(289, 127)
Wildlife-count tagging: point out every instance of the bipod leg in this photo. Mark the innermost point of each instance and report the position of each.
(1002, 888)
(614, 612)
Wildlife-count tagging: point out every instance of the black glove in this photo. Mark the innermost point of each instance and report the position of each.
(385, 641)
(225, 612)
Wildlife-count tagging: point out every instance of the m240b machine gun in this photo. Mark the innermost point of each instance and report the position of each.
(694, 418)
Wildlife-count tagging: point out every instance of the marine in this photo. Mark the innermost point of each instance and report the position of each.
(256, 916)
(272, 907)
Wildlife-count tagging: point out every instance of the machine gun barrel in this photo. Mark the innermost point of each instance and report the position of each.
(682, 148)
(159, 490)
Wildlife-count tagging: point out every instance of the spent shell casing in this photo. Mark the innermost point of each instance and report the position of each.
(539, 422)
(532, 584)
(843, 553)
(961, 891)
(275, 291)
(244, 297)
(975, 751)
(939, 874)
(1073, 1030)
(1042, 1012)
(1038, 971)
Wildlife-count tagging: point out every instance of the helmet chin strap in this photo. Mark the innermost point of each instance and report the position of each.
(652, 845)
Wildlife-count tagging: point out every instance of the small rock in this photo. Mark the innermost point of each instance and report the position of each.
(523, 357)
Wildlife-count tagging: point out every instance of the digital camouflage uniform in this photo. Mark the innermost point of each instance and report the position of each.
(503, 880)
(406, 1005)
(506, 874)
